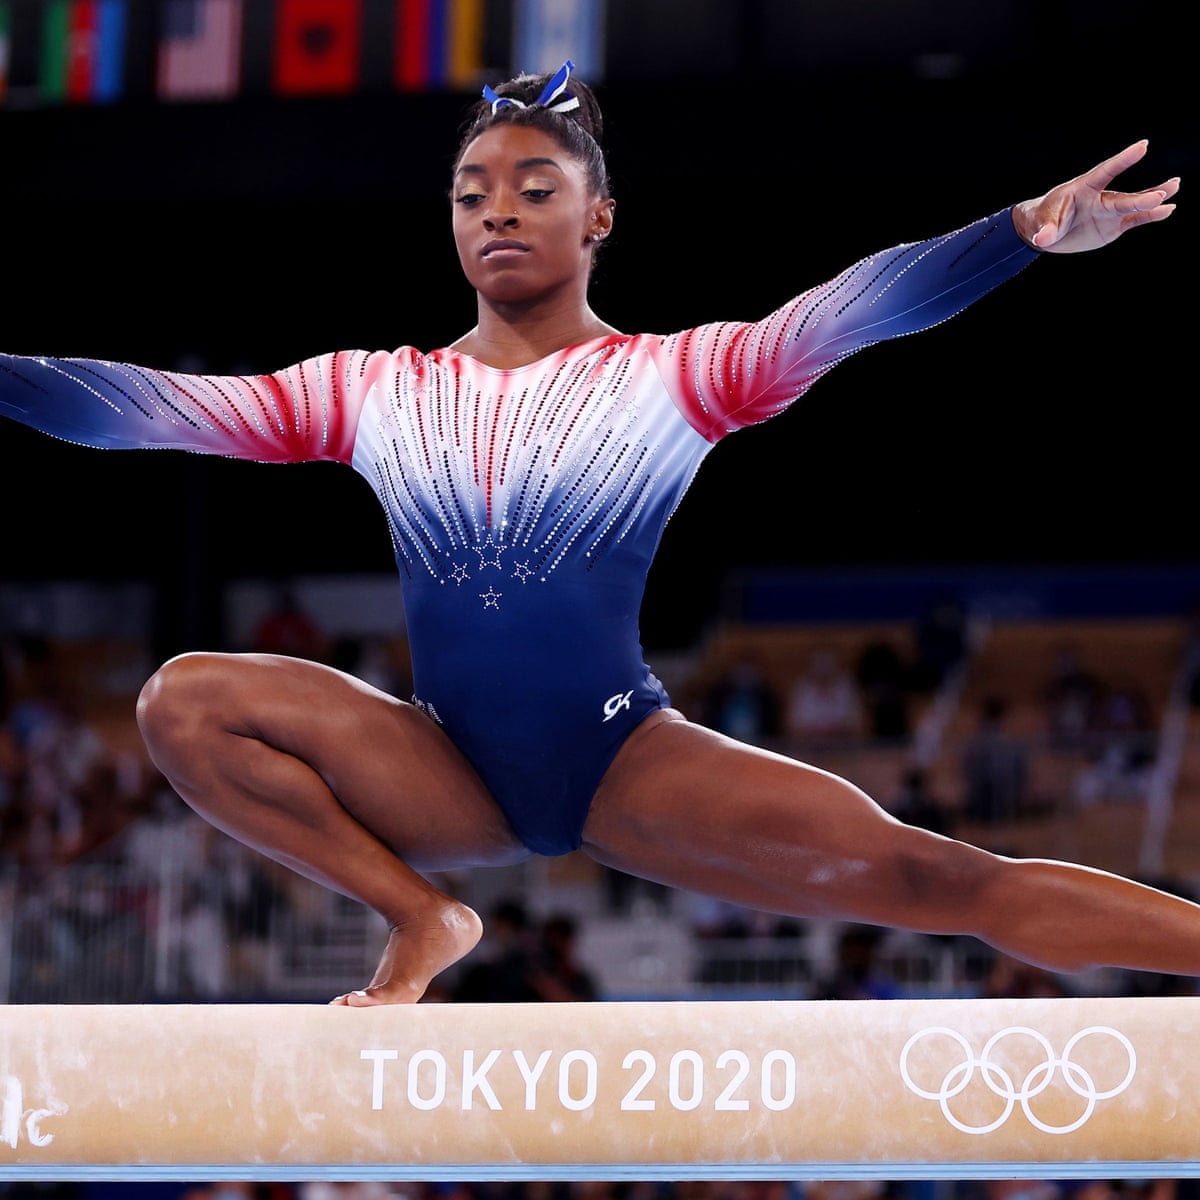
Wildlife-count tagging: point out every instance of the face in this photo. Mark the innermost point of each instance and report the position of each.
(523, 214)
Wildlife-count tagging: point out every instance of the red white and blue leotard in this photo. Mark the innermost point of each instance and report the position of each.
(525, 505)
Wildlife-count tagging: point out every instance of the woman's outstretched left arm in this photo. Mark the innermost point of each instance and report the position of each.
(731, 374)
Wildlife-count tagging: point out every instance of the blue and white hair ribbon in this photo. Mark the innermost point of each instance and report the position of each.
(554, 95)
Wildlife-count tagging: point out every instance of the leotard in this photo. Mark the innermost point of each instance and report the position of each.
(525, 505)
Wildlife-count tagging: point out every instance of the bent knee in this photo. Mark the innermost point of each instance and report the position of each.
(183, 696)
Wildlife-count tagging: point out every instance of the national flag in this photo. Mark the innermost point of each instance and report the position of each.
(83, 50)
(318, 46)
(200, 49)
(548, 32)
(439, 43)
(4, 27)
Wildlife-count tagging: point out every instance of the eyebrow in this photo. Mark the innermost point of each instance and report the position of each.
(522, 165)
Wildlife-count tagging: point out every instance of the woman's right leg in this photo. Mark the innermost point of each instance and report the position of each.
(342, 783)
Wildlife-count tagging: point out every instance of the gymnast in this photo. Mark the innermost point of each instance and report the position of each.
(527, 471)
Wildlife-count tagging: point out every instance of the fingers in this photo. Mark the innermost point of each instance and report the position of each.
(1134, 208)
(1133, 202)
(1145, 217)
(1102, 174)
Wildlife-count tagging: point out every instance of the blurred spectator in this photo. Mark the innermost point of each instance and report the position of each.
(33, 685)
(1124, 746)
(1010, 979)
(1022, 1189)
(70, 773)
(824, 703)
(557, 974)
(743, 704)
(730, 945)
(883, 684)
(228, 905)
(163, 843)
(995, 768)
(786, 1189)
(252, 903)
(858, 973)
(1190, 656)
(8, 654)
(941, 644)
(712, 917)
(46, 1191)
(228, 1189)
(12, 769)
(203, 943)
(1071, 697)
(375, 1189)
(845, 1189)
(626, 893)
(287, 628)
(371, 660)
(915, 803)
(1129, 1189)
(501, 972)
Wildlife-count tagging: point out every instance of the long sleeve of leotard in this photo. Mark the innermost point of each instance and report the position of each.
(728, 375)
(722, 376)
(308, 411)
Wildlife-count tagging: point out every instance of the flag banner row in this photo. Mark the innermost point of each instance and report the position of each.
(103, 52)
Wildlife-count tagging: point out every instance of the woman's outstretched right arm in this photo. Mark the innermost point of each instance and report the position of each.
(306, 412)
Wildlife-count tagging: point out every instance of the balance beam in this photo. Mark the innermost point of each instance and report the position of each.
(890, 1089)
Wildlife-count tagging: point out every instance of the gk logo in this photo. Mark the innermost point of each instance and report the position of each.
(614, 704)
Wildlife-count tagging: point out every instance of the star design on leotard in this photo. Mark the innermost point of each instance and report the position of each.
(486, 560)
(628, 407)
(459, 573)
(522, 571)
(491, 598)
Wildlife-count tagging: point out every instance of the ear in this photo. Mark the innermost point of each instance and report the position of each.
(601, 222)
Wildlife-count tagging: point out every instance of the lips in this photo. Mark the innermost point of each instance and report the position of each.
(502, 245)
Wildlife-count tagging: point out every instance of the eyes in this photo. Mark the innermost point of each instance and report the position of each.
(534, 194)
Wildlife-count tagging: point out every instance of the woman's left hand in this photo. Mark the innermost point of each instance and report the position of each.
(1082, 214)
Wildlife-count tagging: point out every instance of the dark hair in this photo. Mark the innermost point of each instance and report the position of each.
(580, 132)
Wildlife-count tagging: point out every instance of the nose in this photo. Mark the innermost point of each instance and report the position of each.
(501, 215)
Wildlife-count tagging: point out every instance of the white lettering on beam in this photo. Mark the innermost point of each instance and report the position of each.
(14, 1117)
(691, 1082)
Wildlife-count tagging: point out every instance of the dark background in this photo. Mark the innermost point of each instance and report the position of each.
(756, 149)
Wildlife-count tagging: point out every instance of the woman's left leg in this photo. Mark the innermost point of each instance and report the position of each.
(689, 807)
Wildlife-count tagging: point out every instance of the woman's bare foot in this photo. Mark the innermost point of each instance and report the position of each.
(415, 953)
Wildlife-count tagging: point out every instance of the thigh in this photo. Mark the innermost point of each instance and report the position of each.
(389, 765)
(694, 809)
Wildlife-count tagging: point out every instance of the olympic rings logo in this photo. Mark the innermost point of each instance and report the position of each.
(1003, 1084)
